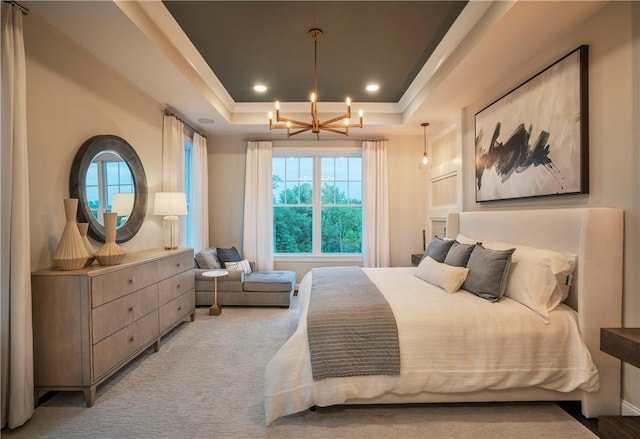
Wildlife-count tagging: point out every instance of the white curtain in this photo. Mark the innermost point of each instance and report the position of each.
(375, 200)
(199, 204)
(258, 206)
(17, 336)
(173, 163)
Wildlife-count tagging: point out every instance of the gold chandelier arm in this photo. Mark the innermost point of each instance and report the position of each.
(288, 127)
(350, 125)
(289, 133)
(294, 123)
(335, 119)
(333, 130)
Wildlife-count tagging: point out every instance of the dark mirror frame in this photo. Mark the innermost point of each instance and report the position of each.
(87, 152)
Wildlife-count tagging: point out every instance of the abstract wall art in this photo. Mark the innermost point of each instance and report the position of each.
(534, 141)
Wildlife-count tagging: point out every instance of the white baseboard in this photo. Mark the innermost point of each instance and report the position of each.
(629, 409)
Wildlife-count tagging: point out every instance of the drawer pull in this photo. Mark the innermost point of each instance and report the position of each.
(179, 308)
(179, 264)
(132, 281)
(131, 338)
(177, 285)
(131, 308)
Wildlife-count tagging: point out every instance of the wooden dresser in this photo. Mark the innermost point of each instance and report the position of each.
(89, 323)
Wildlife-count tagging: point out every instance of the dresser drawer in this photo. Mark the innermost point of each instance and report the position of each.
(115, 348)
(117, 314)
(176, 264)
(176, 286)
(111, 286)
(177, 310)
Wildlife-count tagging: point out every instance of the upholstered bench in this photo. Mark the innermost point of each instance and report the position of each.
(258, 288)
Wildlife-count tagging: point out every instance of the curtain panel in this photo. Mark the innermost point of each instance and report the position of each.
(15, 258)
(258, 206)
(375, 200)
(199, 204)
(173, 164)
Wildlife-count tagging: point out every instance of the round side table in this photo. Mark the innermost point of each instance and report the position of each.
(215, 274)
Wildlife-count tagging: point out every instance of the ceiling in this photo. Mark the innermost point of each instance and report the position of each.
(201, 59)
(248, 43)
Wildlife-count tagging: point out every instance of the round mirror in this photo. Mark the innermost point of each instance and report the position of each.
(107, 176)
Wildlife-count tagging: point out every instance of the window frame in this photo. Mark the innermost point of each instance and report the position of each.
(188, 187)
(317, 153)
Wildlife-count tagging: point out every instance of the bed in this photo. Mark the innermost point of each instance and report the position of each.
(458, 365)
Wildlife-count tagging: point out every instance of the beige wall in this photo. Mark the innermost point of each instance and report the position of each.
(407, 197)
(614, 131)
(72, 96)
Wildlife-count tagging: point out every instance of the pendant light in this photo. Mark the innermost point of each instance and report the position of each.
(425, 158)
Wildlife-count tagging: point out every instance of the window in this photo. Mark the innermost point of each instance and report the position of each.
(317, 204)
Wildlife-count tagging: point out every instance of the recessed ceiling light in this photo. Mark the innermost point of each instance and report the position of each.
(260, 88)
(205, 120)
(372, 87)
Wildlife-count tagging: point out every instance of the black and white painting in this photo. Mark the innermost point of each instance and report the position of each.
(534, 140)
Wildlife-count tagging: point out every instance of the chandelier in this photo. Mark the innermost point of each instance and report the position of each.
(338, 124)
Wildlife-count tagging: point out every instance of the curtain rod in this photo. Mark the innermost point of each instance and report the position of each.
(168, 112)
(300, 139)
(24, 10)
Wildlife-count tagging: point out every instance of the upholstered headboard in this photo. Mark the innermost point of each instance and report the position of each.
(595, 235)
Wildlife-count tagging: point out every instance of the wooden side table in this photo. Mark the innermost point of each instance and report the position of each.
(622, 343)
(416, 258)
(215, 309)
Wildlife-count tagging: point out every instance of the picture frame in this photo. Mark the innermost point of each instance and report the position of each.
(534, 140)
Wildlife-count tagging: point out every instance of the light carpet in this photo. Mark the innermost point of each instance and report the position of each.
(207, 382)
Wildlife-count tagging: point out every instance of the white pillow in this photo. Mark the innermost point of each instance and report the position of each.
(539, 279)
(447, 277)
(240, 265)
(464, 239)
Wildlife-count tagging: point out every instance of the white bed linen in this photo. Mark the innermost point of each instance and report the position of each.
(448, 343)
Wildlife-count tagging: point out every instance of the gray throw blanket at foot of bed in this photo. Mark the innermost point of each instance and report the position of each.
(352, 329)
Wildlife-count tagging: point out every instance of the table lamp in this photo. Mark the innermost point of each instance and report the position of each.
(122, 204)
(170, 204)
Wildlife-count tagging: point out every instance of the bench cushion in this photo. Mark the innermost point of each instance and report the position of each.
(269, 281)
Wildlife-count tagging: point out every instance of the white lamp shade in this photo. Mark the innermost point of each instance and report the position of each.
(122, 203)
(170, 203)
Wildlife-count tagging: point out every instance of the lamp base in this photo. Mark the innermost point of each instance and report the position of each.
(170, 233)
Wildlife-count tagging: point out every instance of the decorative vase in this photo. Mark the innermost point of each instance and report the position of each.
(83, 228)
(71, 254)
(110, 253)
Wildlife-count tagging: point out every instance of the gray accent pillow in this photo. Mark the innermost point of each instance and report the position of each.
(438, 249)
(459, 254)
(488, 272)
(208, 259)
(228, 255)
